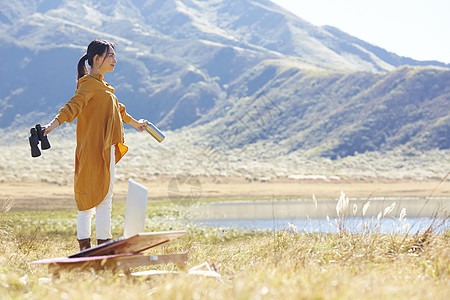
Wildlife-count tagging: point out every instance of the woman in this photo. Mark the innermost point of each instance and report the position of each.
(100, 140)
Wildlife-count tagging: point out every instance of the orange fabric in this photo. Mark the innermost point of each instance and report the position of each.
(99, 126)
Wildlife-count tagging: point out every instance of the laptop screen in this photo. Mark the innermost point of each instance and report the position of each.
(136, 209)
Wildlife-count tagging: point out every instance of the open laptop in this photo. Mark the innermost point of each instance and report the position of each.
(136, 209)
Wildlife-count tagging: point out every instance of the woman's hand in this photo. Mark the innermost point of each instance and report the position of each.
(50, 126)
(139, 125)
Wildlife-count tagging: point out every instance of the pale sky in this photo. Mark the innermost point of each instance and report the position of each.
(419, 29)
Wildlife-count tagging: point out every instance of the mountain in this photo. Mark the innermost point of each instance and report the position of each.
(335, 114)
(205, 63)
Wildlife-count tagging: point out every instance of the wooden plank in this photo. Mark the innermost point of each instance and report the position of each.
(134, 244)
(68, 260)
(114, 262)
(125, 263)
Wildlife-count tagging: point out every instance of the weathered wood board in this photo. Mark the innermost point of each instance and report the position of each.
(135, 244)
(119, 254)
(111, 262)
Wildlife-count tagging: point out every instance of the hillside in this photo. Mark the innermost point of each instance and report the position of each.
(335, 114)
(244, 71)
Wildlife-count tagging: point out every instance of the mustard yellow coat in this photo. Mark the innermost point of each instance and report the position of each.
(99, 126)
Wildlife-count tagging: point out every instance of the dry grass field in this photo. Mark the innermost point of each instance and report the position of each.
(252, 264)
(187, 153)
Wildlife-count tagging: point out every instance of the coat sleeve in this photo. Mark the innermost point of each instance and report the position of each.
(123, 113)
(71, 109)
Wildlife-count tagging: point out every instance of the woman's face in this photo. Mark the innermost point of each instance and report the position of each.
(107, 61)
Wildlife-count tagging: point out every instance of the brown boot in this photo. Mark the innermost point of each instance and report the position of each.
(84, 244)
(102, 241)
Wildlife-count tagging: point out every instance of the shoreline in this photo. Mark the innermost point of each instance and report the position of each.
(304, 209)
(48, 196)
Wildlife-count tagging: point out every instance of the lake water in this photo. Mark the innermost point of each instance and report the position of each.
(354, 225)
(305, 215)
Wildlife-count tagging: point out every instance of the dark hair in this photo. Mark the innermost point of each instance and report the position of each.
(95, 47)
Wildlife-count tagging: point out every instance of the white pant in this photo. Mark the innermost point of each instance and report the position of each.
(102, 211)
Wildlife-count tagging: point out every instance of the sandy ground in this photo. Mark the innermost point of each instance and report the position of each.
(45, 196)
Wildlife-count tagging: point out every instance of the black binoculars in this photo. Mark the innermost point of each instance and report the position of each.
(37, 134)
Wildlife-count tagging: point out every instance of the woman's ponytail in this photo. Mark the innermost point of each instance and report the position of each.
(96, 47)
(82, 66)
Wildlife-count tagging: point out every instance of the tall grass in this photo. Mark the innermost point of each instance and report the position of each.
(253, 264)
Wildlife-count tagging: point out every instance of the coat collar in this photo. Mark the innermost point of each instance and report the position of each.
(97, 76)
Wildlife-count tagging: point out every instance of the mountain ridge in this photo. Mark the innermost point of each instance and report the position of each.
(191, 63)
